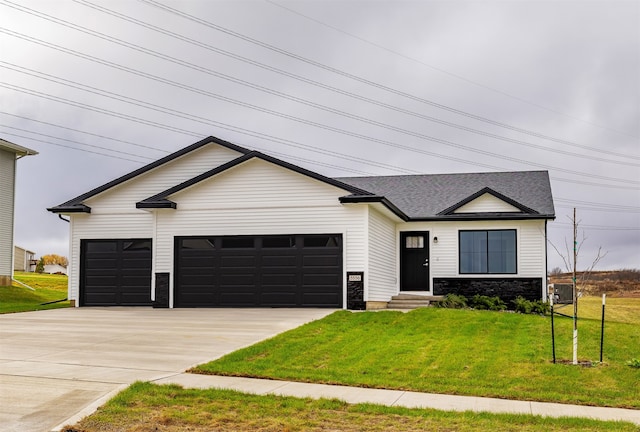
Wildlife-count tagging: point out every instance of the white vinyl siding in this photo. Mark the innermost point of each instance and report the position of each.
(126, 195)
(487, 203)
(444, 259)
(7, 190)
(382, 276)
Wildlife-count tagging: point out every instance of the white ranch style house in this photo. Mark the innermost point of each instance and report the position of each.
(219, 225)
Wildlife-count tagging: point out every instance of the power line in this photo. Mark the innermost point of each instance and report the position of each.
(280, 94)
(598, 227)
(72, 148)
(590, 203)
(287, 116)
(315, 83)
(72, 141)
(598, 209)
(84, 132)
(247, 132)
(460, 77)
(354, 77)
(196, 134)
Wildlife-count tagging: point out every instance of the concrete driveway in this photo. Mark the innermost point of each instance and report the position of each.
(60, 363)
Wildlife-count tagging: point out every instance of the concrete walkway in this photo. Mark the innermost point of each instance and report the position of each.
(400, 398)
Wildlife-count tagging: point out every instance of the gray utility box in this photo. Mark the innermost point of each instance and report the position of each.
(563, 293)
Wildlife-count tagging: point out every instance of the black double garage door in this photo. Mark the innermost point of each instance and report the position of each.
(267, 271)
(222, 271)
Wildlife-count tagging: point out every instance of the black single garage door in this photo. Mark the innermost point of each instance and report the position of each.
(259, 271)
(115, 272)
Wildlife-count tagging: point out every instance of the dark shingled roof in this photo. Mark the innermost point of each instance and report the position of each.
(410, 197)
(425, 196)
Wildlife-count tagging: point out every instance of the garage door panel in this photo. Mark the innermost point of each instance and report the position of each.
(140, 263)
(279, 261)
(96, 264)
(99, 281)
(238, 261)
(101, 299)
(267, 271)
(195, 262)
(289, 279)
(321, 261)
(320, 299)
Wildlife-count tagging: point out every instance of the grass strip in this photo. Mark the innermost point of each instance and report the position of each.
(146, 407)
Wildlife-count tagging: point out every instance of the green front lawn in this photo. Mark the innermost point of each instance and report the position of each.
(48, 288)
(149, 407)
(464, 352)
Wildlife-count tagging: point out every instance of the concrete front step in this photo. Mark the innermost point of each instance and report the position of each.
(412, 301)
(418, 297)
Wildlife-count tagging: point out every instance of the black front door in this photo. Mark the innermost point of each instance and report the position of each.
(414, 261)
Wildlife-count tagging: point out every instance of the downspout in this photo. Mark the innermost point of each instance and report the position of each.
(545, 287)
(66, 220)
(23, 284)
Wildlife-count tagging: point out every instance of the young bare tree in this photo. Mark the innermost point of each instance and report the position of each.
(570, 259)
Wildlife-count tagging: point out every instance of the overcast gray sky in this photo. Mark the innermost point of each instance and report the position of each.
(343, 88)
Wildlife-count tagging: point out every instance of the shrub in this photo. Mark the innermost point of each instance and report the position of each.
(540, 307)
(522, 305)
(453, 301)
(487, 303)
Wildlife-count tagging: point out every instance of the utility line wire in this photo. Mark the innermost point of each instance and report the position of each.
(598, 227)
(293, 118)
(609, 210)
(196, 119)
(460, 77)
(73, 141)
(84, 132)
(343, 92)
(613, 206)
(307, 102)
(221, 29)
(250, 133)
(72, 148)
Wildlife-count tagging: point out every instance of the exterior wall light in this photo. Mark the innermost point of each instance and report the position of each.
(435, 239)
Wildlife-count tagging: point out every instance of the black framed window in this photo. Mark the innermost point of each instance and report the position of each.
(488, 251)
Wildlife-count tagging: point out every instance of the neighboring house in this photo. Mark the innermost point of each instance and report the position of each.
(24, 260)
(9, 154)
(218, 225)
(55, 269)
